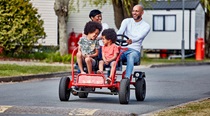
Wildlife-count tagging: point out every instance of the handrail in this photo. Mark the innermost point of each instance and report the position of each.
(72, 62)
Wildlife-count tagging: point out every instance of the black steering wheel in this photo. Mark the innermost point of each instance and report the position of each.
(121, 40)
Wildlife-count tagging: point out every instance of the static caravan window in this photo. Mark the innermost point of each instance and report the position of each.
(164, 22)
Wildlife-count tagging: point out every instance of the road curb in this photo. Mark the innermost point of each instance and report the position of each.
(37, 76)
(180, 64)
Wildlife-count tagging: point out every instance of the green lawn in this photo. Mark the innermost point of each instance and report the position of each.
(198, 108)
(18, 70)
(149, 61)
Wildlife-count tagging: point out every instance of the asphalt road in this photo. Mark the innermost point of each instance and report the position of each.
(166, 87)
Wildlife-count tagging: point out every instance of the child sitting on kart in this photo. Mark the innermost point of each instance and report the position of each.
(109, 51)
(88, 46)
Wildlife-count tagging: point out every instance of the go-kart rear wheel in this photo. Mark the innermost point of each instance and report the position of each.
(140, 89)
(82, 94)
(124, 91)
(64, 91)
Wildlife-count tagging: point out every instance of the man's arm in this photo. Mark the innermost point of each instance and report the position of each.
(122, 27)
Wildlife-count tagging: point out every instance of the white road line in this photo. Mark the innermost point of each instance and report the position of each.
(82, 112)
(4, 108)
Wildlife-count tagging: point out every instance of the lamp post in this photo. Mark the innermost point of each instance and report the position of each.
(183, 51)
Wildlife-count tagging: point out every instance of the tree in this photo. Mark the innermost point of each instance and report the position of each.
(122, 12)
(206, 5)
(21, 26)
(61, 8)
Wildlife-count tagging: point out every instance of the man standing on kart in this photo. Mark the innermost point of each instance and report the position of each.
(136, 29)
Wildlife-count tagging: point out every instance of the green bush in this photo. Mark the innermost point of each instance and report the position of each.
(42, 53)
(33, 56)
(47, 49)
(20, 26)
(56, 57)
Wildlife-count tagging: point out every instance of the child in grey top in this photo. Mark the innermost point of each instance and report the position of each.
(88, 46)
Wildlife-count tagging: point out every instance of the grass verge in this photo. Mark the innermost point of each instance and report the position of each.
(149, 61)
(18, 70)
(198, 108)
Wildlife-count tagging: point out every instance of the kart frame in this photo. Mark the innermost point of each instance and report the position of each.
(83, 84)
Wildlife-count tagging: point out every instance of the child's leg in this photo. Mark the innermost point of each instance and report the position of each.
(79, 61)
(112, 68)
(88, 61)
(101, 66)
(111, 72)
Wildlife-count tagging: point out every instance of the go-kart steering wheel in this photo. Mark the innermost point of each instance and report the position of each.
(121, 40)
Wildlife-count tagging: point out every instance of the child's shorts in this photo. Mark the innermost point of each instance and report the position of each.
(108, 65)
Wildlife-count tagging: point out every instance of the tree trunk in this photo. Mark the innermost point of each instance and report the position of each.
(128, 10)
(63, 39)
(61, 10)
(207, 35)
(120, 12)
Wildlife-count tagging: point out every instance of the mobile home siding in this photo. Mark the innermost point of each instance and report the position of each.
(46, 10)
(164, 39)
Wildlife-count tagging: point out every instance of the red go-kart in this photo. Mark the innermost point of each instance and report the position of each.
(83, 84)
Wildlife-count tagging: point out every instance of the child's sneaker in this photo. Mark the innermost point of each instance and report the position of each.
(99, 72)
(108, 80)
(83, 72)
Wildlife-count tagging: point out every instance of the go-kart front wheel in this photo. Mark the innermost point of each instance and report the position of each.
(64, 91)
(124, 92)
(140, 89)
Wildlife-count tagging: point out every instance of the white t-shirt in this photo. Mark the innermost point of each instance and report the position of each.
(104, 26)
(136, 31)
